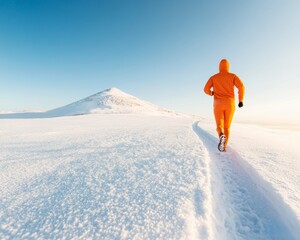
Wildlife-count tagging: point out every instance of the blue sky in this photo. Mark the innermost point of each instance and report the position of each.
(55, 52)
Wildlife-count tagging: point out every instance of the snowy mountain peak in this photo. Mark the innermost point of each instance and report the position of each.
(111, 100)
(114, 91)
(113, 96)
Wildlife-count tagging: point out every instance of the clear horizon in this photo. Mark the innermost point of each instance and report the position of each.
(53, 53)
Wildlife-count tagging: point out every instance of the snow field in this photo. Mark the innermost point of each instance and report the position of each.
(133, 176)
(104, 177)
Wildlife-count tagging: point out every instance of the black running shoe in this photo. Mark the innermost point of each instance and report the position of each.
(221, 145)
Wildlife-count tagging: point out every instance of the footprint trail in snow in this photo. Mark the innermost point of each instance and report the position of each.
(245, 206)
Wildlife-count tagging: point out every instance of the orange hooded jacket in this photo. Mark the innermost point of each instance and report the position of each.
(223, 85)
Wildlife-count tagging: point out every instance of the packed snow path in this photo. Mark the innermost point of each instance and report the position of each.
(246, 206)
(103, 177)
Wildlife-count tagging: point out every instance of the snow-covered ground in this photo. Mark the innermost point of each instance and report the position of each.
(147, 173)
(256, 182)
(273, 153)
(128, 176)
(108, 176)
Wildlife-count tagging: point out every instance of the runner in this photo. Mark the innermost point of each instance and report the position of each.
(221, 86)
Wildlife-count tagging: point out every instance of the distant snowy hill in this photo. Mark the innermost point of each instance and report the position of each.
(108, 101)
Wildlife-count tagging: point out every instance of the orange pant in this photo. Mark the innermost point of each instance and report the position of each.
(223, 115)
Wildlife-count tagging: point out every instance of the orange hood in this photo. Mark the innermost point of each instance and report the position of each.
(224, 65)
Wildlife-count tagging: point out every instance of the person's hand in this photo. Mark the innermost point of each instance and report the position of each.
(212, 93)
(241, 104)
